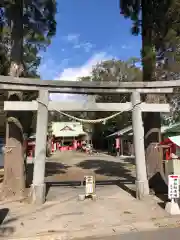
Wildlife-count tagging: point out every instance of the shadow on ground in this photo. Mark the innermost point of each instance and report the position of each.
(159, 188)
(108, 168)
(52, 168)
(5, 231)
(108, 172)
(111, 169)
(130, 160)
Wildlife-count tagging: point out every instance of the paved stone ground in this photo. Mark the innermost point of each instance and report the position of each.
(162, 234)
(73, 166)
(115, 211)
(64, 217)
(70, 167)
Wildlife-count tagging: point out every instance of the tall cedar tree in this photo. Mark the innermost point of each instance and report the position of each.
(33, 23)
(158, 23)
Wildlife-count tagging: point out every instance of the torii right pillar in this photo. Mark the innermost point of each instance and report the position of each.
(142, 185)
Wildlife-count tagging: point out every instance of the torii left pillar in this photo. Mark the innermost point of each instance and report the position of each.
(142, 185)
(38, 186)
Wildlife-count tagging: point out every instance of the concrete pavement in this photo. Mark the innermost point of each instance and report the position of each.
(114, 212)
(64, 217)
(162, 234)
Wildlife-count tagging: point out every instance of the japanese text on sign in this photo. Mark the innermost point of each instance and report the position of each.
(173, 186)
(90, 184)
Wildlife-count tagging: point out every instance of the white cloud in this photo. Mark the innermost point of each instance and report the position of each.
(49, 68)
(86, 46)
(72, 74)
(124, 46)
(72, 38)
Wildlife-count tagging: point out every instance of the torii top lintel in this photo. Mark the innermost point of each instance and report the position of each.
(25, 84)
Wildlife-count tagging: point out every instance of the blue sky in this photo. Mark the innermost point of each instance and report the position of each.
(88, 31)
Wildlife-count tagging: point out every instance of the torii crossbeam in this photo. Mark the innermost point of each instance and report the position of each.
(43, 105)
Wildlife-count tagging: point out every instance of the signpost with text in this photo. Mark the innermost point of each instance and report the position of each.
(173, 187)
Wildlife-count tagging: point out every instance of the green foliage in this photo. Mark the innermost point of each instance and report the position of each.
(4, 63)
(31, 60)
(39, 21)
(158, 22)
(116, 71)
(39, 26)
(113, 71)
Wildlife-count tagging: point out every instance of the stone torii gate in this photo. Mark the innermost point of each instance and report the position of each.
(43, 105)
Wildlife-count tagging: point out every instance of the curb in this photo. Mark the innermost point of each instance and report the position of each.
(153, 225)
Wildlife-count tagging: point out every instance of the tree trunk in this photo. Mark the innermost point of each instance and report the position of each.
(152, 121)
(14, 172)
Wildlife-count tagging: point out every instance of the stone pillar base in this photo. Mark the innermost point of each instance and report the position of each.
(172, 208)
(38, 193)
(142, 189)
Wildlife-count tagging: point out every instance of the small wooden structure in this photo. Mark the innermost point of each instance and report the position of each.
(122, 135)
(171, 145)
(171, 156)
(126, 136)
(66, 134)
